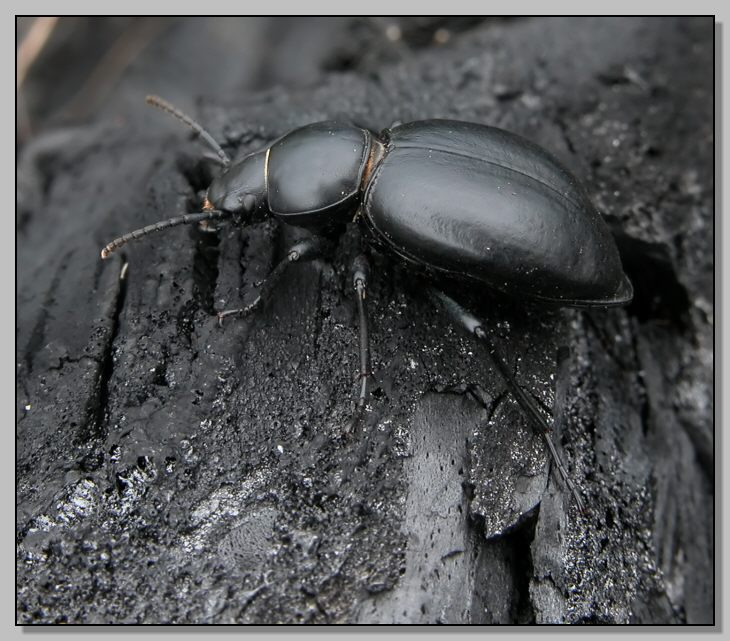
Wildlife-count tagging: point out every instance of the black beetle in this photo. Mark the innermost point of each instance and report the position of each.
(453, 198)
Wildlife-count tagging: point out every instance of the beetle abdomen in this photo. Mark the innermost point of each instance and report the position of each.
(315, 168)
(480, 202)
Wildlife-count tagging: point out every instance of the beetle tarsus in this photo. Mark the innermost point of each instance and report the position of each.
(303, 250)
(243, 311)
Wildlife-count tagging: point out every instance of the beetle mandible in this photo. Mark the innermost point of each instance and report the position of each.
(463, 200)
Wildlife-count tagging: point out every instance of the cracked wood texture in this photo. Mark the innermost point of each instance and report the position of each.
(170, 471)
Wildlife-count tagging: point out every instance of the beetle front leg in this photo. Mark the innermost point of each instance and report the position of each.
(528, 405)
(304, 250)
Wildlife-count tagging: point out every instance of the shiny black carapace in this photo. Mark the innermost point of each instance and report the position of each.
(461, 199)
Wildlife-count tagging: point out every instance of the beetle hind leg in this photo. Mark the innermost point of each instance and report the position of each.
(304, 250)
(528, 405)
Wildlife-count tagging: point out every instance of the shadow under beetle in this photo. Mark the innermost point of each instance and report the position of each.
(459, 199)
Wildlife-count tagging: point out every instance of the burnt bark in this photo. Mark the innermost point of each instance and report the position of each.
(170, 471)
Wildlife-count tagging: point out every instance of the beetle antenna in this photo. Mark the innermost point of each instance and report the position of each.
(156, 101)
(163, 224)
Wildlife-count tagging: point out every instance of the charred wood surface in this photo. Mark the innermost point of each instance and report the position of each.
(173, 471)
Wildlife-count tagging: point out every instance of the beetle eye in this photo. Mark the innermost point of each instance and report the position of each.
(248, 202)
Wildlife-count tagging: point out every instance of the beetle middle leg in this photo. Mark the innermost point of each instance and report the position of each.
(304, 250)
(360, 282)
(528, 405)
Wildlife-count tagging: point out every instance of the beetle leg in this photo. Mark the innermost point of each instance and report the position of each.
(528, 405)
(360, 281)
(304, 250)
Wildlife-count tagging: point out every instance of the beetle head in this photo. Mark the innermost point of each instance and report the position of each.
(240, 189)
(238, 193)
